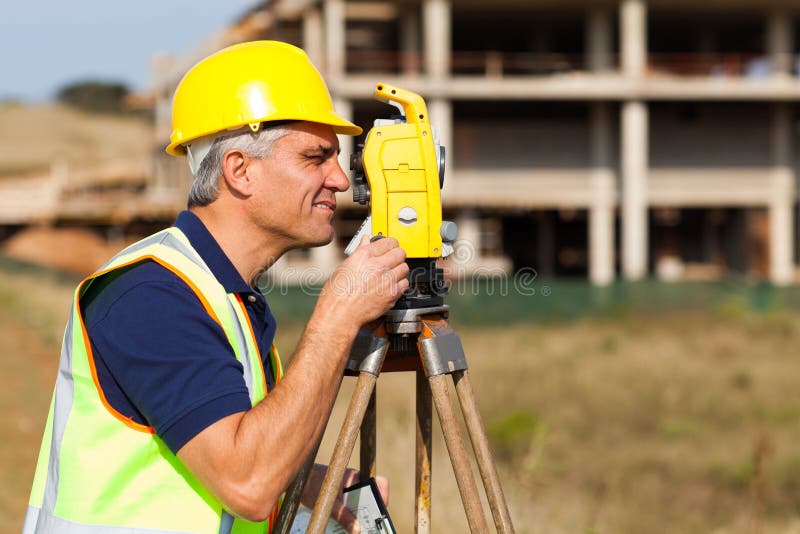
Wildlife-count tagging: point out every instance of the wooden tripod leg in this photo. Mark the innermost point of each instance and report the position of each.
(458, 454)
(368, 445)
(483, 454)
(423, 474)
(331, 484)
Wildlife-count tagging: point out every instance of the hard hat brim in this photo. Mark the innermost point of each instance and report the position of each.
(339, 125)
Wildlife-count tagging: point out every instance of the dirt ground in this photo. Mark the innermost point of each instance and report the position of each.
(674, 422)
(33, 311)
(55, 248)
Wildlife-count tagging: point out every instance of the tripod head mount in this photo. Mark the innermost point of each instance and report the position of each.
(399, 172)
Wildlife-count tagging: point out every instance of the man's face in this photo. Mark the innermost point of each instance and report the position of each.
(297, 185)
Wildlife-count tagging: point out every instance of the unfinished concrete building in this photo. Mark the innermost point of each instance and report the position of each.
(585, 138)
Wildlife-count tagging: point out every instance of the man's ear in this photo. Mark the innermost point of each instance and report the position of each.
(234, 172)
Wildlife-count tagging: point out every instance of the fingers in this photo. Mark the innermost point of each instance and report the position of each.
(400, 270)
(340, 512)
(383, 487)
(382, 246)
(391, 260)
(350, 477)
(345, 517)
(383, 253)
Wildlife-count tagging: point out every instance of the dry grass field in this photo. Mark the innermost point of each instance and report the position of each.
(676, 421)
(32, 137)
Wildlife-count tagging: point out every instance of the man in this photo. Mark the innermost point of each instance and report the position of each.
(170, 411)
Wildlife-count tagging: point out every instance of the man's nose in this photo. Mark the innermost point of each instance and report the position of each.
(337, 179)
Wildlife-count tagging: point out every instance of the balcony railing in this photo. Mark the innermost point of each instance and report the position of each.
(481, 63)
(728, 65)
(491, 63)
(494, 63)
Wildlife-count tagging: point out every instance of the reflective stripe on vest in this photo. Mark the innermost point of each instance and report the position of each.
(100, 471)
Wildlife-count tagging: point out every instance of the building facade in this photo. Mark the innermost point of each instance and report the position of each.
(585, 138)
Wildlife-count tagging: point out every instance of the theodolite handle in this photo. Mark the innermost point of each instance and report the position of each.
(413, 105)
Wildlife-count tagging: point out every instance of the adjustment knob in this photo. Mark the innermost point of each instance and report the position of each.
(361, 194)
(448, 231)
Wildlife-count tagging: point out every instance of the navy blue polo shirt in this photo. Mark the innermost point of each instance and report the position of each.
(161, 359)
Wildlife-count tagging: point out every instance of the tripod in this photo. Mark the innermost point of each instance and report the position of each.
(419, 340)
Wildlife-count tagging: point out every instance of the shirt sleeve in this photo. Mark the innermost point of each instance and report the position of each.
(169, 358)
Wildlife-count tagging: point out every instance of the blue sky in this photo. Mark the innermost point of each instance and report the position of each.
(45, 44)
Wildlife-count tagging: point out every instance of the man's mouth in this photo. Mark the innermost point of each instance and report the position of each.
(325, 204)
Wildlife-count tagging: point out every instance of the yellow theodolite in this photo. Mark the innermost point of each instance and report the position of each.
(399, 172)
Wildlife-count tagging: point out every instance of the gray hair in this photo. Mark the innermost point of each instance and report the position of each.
(205, 187)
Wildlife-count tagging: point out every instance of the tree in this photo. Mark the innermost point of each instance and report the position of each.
(94, 96)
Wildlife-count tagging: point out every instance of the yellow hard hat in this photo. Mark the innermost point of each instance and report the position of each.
(247, 84)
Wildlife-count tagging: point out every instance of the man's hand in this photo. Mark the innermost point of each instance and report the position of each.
(340, 512)
(368, 283)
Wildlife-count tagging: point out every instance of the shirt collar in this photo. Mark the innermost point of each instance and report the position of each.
(211, 253)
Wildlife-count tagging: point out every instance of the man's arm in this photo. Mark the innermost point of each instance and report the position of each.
(247, 459)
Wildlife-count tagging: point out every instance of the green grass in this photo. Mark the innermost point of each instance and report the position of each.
(491, 303)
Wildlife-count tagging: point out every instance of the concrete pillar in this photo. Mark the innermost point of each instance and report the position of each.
(634, 189)
(782, 198)
(633, 37)
(162, 67)
(781, 270)
(780, 42)
(335, 44)
(313, 36)
(468, 245)
(441, 113)
(409, 42)
(601, 210)
(346, 142)
(598, 40)
(436, 21)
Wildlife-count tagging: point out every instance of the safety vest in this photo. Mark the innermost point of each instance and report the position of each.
(98, 470)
